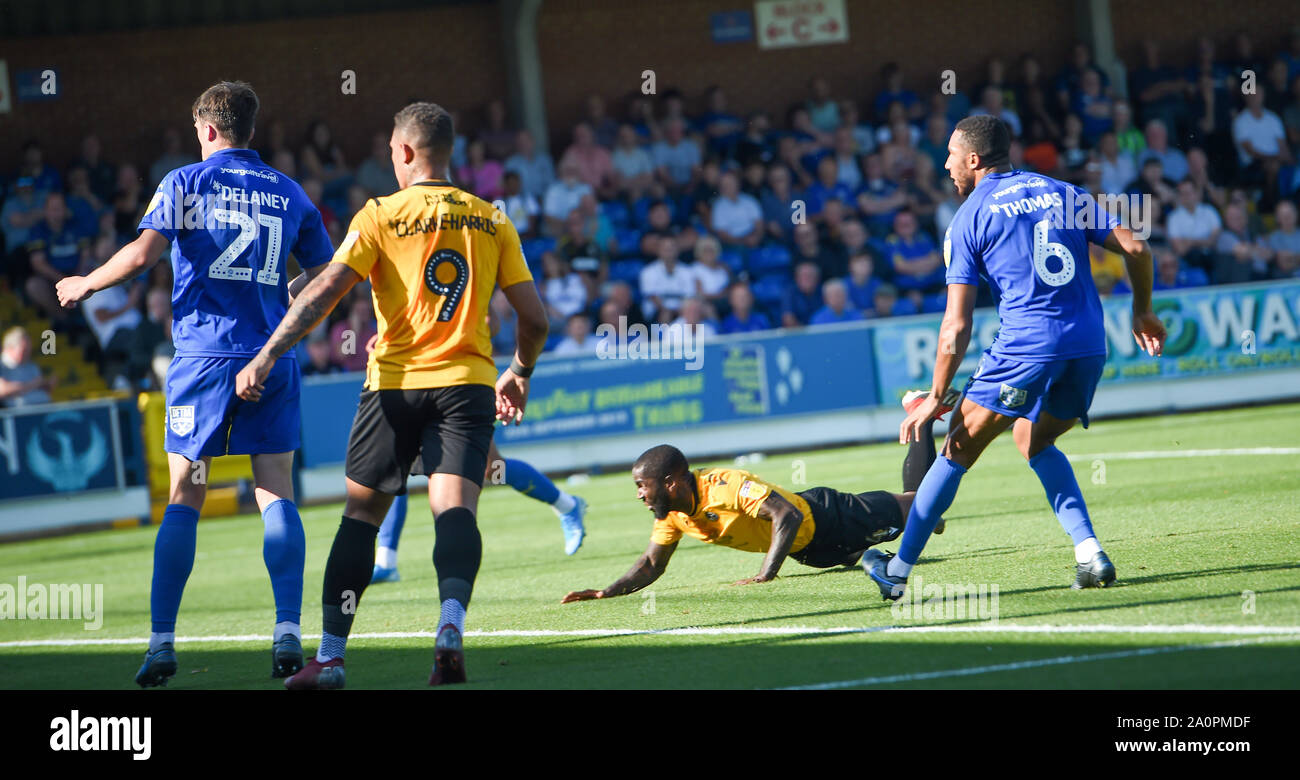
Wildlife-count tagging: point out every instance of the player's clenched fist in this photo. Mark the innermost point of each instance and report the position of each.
(72, 290)
(251, 380)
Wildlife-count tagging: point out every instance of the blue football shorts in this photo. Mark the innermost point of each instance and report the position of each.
(205, 417)
(1062, 388)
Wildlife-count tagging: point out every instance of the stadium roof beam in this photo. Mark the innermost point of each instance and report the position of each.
(525, 94)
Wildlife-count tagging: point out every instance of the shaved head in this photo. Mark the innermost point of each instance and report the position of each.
(661, 462)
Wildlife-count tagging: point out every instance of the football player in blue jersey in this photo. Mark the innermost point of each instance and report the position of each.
(1027, 235)
(232, 221)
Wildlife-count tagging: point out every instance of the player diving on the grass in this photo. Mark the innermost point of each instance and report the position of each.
(819, 527)
(516, 473)
(232, 221)
(433, 253)
(1027, 235)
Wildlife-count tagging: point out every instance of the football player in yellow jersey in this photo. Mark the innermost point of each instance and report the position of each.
(433, 254)
(818, 527)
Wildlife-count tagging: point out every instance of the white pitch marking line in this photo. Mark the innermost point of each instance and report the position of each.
(976, 628)
(1010, 667)
(1154, 454)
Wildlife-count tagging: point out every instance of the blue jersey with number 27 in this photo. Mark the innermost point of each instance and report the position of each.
(1028, 235)
(233, 220)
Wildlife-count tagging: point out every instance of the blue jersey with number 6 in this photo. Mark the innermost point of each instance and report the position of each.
(1028, 235)
(233, 220)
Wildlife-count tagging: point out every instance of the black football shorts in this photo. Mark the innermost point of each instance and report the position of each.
(848, 523)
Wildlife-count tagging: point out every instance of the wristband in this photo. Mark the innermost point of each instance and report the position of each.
(519, 370)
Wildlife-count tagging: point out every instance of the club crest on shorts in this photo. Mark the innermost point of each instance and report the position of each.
(180, 419)
(1011, 397)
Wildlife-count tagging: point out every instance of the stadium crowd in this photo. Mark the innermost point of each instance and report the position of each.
(677, 209)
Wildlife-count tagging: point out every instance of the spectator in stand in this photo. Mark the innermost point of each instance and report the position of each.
(113, 315)
(619, 295)
(579, 338)
(864, 138)
(1285, 241)
(809, 248)
(861, 282)
(322, 158)
(1117, 168)
(1129, 137)
(21, 382)
(808, 133)
(563, 290)
(1277, 88)
(1212, 101)
(84, 205)
(375, 173)
(801, 301)
(853, 239)
(1159, 89)
(753, 180)
(318, 357)
(913, 256)
(743, 318)
(174, 156)
(562, 197)
(1108, 270)
(1152, 181)
(273, 139)
(1032, 99)
(641, 115)
(780, 202)
(1193, 228)
(1261, 146)
(22, 210)
(838, 308)
(55, 249)
(585, 256)
(823, 111)
(712, 278)
(677, 158)
(848, 171)
(315, 192)
(1198, 170)
(827, 186)
(603, 126)
(153, 351)
(991, 103)
(659, 224)
(1070, 81)
(633, 169)
(897, 128)
(522, 208)
(593, 163)
(885, 303)
(880, 198)
(706, 189)
(1040, 153)
(789, 153)
(1170, 274)
(1093, 106)
(665, 283)
(1291, 115)
(349, 336)
(896, 91)
(935, 143)
(722, 129)
(755, 145)
(1243, 256)
(1173, 161)
(996, 75)
(480, 175)
(503, 324)
(497, 136)
(1074, 150)
(923, 192)
(129, 200)
(45, 178)
(284, 162)
(695, 315)
(947, 208)
(736, 218)
(535, 168)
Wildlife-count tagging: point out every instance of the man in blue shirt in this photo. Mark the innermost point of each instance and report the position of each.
(232, 221)
(1027, 235)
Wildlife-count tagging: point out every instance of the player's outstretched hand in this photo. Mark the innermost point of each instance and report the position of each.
(754, 580)
(910, 430)
(72, 290)
(582, 595)
(1149, 333)
(251, 380)
(512, 396)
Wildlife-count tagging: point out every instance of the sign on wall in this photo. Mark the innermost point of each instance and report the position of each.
(786, 23)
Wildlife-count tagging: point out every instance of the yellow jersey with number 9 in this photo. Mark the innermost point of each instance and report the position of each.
(433, 254)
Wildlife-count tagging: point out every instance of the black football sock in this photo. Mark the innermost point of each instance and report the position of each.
(920, 456)
(457, 551)
(347, 573)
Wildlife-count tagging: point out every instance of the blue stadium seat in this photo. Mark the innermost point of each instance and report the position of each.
(904, 306)
(769, 259)
(733, 260)
(626, 271)
(617, 212)
(770, 289)
(629, 241)
(1194, 277)
(934, 303)
(534, 247)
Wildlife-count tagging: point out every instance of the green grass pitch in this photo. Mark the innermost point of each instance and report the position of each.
(1206, 548)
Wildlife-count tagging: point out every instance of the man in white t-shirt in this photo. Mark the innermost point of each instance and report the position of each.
(563, 197)
(113, 309)
(665, 283)
(1261, 142)
(736, 216)
(1193, 227)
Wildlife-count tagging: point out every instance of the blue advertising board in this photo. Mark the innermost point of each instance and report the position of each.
(48, 450)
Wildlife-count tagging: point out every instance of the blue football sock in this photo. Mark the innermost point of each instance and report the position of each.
(284, 549)
(1054, 471)
(933, 498)
(390, 533)
(173, 559)
(531, 482)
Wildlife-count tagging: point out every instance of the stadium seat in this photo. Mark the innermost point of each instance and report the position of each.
(934, 303)
(626, 271)
(1194, 277)
(535, 247)
(617, 212)
(629, 241)
(769, 259)
(770, 289)
(733, 259)
(904, 306)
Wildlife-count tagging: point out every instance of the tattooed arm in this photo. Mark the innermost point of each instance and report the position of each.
(309, 308)
(786, 519)
(646, 570)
